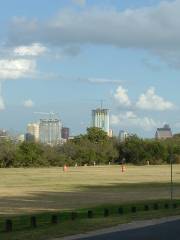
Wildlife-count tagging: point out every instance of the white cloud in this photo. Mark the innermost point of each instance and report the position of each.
(154, 28)
(121, 97)
(35, 49)
(130, 119)
(16, 68)
(101, 80)
(28, 103)
(151, 101)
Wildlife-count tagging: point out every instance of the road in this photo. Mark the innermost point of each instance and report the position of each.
(163, 231)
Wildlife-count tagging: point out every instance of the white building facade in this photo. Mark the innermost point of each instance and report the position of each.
(100, 119)
(123, 135)
(50, 131)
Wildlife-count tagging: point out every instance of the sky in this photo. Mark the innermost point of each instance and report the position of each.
(65, 56)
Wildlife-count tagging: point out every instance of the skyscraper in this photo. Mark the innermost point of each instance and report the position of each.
(32, 132)
(123, 135)
(100, 119)
(50, 131)
(164, 132)
(65, 133)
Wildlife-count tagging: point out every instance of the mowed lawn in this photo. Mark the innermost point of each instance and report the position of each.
(51, 189)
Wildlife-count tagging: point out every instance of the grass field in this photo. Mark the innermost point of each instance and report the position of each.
(51, 189)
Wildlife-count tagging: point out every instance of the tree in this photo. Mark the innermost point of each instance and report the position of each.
(7, 153)
(96, 135)
(29, 154)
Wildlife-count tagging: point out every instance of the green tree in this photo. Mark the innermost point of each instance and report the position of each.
(7, 153)
(29, 154)
(96, 135)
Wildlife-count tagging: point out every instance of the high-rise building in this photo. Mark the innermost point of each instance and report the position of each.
(110, 133)
(164, 132)
(100, 119)
(32, 132)
(50, 131)
(65, 133)
(20, 138)
(123, 135)
(3, 134)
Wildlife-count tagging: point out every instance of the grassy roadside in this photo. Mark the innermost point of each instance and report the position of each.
(35, 190)
(46, 231)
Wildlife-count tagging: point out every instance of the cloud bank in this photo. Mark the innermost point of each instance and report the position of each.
(121, 97)
(130, 119)
(149, 100)
(155, 29)
(16, 68)
(34, 49)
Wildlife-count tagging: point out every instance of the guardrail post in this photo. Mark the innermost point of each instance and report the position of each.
(54, 219)
(156, 206)
(133, 209)
(166, 205)
(73, 215)
(106, 212)
(8, 225)
(146, 208)
(33, 222)
(90, 214)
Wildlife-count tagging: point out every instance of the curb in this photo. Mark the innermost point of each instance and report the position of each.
(122, 227)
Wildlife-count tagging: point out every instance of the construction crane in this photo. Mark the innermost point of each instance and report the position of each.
(51, 114)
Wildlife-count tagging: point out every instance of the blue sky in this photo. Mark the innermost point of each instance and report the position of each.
(65, 56)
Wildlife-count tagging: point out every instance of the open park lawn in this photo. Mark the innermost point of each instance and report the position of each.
(51, 189)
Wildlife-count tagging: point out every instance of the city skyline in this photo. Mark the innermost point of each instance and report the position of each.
(99, 119)
(58, 60)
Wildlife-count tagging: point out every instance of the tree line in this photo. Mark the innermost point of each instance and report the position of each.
(94, 147)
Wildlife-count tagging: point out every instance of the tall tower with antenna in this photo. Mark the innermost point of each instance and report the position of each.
(100, 118)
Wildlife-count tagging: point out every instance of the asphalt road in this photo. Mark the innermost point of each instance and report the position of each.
(163, 231)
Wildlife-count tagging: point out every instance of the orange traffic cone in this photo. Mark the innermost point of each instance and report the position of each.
(65, 168)
(123, 169)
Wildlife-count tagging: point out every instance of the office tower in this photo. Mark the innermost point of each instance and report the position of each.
(3, 134)
(164, 132)
(32, 132)
(65, 133)
(110, 133)
(100, 119)
(21, 138)
(50, 131)
(123, 135)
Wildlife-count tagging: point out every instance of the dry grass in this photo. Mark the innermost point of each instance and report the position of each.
(51, 189)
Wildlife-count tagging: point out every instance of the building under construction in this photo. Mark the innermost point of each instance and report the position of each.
(100, 119)
(50, 131)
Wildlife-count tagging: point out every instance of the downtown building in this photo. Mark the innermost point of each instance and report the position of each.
(100, 119)
(50, 131)
(65, 133)
(163, 133)
(123, 135)
(32, 132)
